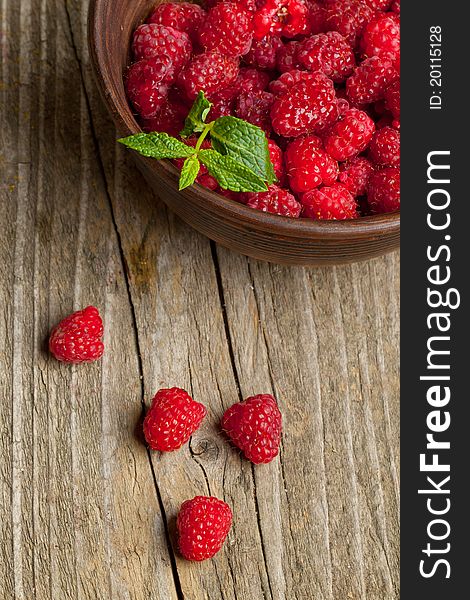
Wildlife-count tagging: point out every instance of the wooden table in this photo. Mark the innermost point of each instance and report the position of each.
(86, 512)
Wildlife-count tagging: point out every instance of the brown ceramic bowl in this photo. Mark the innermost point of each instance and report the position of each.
(233, 225)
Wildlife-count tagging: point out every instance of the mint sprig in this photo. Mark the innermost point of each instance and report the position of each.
(239, 159)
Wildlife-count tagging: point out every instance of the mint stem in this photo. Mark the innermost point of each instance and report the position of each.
(203, 135)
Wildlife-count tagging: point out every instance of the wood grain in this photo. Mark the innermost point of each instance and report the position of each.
(85, 511)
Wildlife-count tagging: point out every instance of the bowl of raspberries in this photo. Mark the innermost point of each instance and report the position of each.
(271, 126)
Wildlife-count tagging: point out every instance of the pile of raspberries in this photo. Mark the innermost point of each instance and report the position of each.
(320, 77)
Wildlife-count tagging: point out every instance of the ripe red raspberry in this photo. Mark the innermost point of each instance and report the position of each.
(251, 80)
(383, 190)
(255, 108)
(277, 159)
(276, 200)
(330, 203)
(172, 419)
(308, 165)
(329, 53)
(77, 338)
(209, 72)
(316, 16)
(384, 150)
(377, 4)
(395, 6)
(348, 17)
(203, 524)
(182, 16)
(354, 175)
(370, 80)
(287, 80)
(287, 57)
(222, 106)
(246, 4)
(255, 426)
(381, 36)
(228, 29)
(152, 40)
(147, 84)
(392, 98)
(307, 107)
(281, 17)
(350, 135)
(170, 118)
(263, 53)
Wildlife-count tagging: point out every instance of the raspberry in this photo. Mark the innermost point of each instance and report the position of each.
(251, 79)
(281, 17)
(348, 17)
(287, 58)
(392, 98)
(307, 107)
(308, 165)
(263, 53)
(77, 338)
(172, 419)
(354, 175)
(384, 150)
(381, 37)
(383, 190)
(277, 159)
(152, 40)
(209, 72)
(255, 107)
(203, 524)
(275, 200)
(249, 5)
(222, 106)
(370, 80)
(316, 16)
(349, 135)
(147, 84)
(287, 80)
(395, 6)
(333, 202)
(182, 16)
(329, 53)
(228, 29)
(170, 118)
(377, 4)
(254, 426)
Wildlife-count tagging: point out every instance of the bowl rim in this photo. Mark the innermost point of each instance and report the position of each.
(371, 226)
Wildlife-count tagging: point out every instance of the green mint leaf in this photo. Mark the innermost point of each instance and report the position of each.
(231, 174)
(157, 145)
(244, 142)
(195, 121)
(189, 172)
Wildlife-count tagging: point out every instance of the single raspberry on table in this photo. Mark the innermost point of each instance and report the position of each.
(203, 524)
(383, 190)
(170, 118)
(329, 53)
(287, 57)
(392, 98)
(156, 41)
(254, 426)
(182, 16)
(172, 419)
(210, 72)
(277, 159)
(288, 18)
(384, 149)
(308, 165)
(255, 108)
(329, 203)
(147, 83)
(354, 175)
(350, 135)
(276, 200)
(381, 36)
(77, 338)
(370, 80)
(349, 18)
(263, 53)
(228, 29)
(307, 107)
